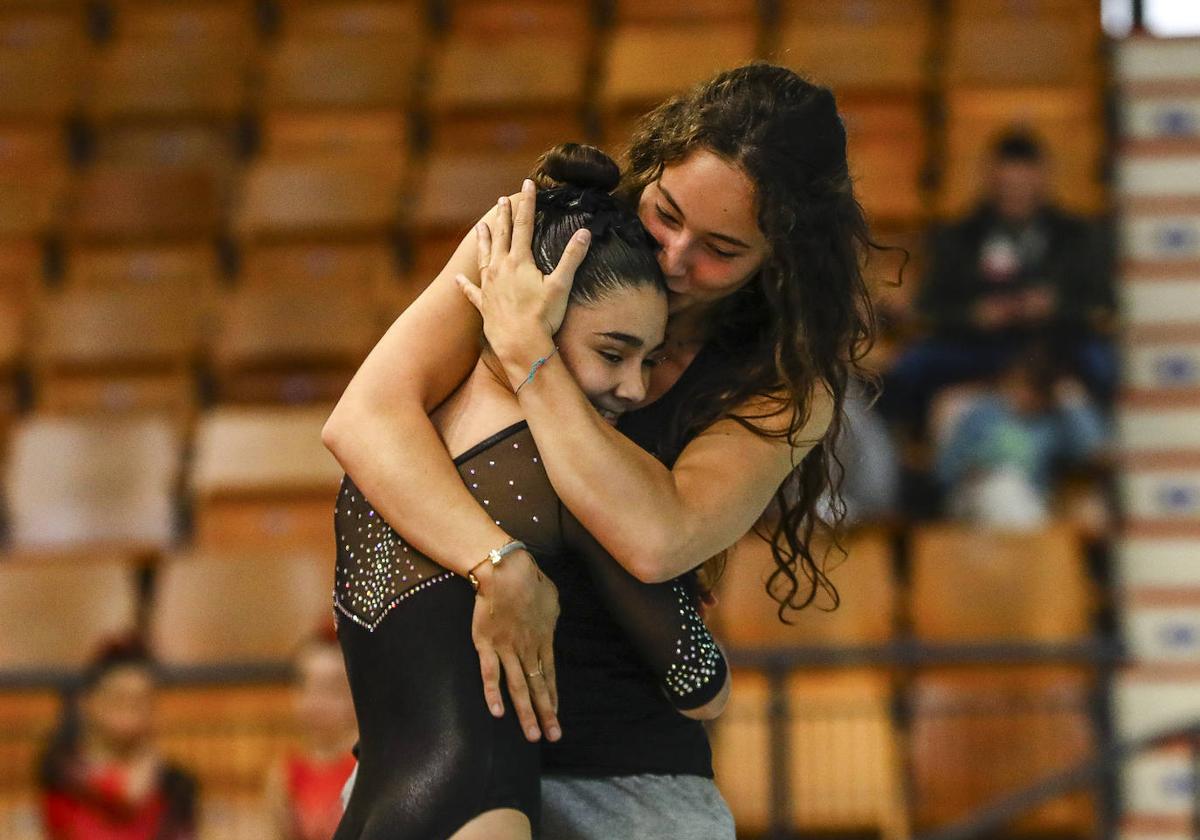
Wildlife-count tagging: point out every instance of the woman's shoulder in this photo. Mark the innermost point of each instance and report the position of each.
(780, 412)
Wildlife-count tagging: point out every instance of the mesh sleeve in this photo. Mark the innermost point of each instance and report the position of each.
(660, 620)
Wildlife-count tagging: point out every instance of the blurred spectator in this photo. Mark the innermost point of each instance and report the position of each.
(304, 789)
(102, 777)
(998, 459)
(1017, 267)
(871, 478)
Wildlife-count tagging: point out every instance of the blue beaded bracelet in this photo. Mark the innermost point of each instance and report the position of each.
(533, 369)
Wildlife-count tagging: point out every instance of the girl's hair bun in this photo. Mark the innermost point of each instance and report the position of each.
(576, 165)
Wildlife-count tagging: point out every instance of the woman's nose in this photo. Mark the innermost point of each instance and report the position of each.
(672, 257)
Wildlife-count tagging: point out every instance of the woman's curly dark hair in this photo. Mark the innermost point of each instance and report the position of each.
(804, 320)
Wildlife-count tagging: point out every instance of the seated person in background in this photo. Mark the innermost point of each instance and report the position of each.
(998, 459)
(102, 776)
(870, 466)
(1016, 268)
(304, 788)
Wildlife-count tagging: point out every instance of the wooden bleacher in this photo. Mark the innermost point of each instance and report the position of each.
(260, 477)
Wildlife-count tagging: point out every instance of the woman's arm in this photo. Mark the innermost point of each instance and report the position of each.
(381, 434)
(657, 523)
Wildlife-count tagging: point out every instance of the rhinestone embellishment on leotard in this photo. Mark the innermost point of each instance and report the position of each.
(375, 570)
(698, 655)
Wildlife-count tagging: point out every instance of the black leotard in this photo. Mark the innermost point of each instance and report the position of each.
(431, 756)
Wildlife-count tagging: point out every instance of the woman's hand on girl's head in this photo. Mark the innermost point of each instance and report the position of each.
(521, 307)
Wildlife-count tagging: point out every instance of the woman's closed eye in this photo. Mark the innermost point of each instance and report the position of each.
(665, 216)
(610, 357)
(670, 220)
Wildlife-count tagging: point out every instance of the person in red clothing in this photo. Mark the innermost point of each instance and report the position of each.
(304, 788)
(102, 776)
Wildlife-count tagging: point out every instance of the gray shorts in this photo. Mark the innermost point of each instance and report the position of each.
(634, 807)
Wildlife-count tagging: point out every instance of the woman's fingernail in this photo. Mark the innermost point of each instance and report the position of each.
(555, 733)
(585, 236)
(533, 733)
(526, 185)
(502, 200)
(497, 709)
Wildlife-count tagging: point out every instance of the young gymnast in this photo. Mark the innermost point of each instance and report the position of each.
(434, 761)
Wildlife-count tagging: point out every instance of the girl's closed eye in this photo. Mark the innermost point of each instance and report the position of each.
(665, 216)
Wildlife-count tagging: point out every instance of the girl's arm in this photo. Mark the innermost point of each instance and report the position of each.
(381, 434)
(657, 523)
(663, 624)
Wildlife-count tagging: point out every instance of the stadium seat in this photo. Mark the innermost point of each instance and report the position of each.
(27, 716)
(453, 192)
(644, 64)
(396, 19)
(747, 616)
(980, 733)
(20, 816)
(118, 350)
(33, 145)
(356, 268)
(998, 43)
(843, 771)
(127, 203)
(299, 342)
(364, 270)
(39, 25)
(43, 47)
(685, 12)
(886, 139)
(141, 79)
(228, 735)
(261, 477)
(92, 481)
(242, 816)
(382, 136)
(211, 147)
(228, 22)
(185, 270)
(221, 608)
(20, 282)
(972, 585)
(498, 20)
(874, 46)
(55, 611)
(487, 95)
(41, 82)
(1067, 120)
(304, 199)
(31, 200)
(342, 72)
